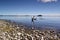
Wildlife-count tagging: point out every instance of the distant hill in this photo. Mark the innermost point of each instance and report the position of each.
(39, 15)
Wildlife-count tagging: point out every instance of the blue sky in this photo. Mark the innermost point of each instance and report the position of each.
(29, 7)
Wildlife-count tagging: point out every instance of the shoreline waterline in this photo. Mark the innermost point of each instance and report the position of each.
(25, 26)
(11, 30)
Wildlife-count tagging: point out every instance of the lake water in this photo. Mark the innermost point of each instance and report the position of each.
(42, 22)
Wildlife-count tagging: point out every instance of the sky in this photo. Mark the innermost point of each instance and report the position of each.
(17, 7)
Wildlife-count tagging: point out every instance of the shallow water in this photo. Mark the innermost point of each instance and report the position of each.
(42, 22)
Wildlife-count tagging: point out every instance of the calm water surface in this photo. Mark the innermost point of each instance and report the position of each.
(43, 22)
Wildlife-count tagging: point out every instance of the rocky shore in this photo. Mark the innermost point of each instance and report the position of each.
(12, 31)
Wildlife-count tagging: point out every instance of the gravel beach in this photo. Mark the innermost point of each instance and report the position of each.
(12, 31)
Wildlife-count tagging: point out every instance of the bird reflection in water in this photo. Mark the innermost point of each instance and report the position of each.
(33, 18)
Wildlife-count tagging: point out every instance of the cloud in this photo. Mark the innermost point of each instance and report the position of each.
(47, 1)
